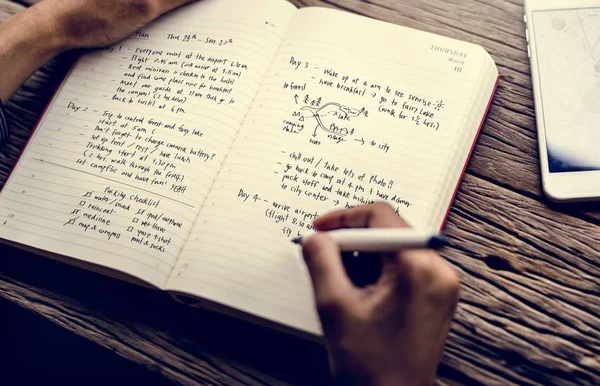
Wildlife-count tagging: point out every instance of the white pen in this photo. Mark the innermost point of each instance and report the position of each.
(384, 240)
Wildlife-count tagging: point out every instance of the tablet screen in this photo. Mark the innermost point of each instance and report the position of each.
(568, 56)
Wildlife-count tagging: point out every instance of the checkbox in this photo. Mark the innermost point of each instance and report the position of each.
(130, 229)
(88, 194)
(136, 220)
(82, 203)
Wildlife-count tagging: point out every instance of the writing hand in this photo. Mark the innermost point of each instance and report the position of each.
(389, 333)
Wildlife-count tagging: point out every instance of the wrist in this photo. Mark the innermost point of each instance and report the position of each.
(27, 41)
(47, 27)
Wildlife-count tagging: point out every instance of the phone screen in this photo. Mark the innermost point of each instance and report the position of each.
(568, 56)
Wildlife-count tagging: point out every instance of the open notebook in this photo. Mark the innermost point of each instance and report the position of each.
(188, 156)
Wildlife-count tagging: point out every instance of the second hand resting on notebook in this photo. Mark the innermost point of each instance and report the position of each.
(31, 38)
(390, 333)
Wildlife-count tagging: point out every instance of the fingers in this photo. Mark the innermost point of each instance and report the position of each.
(404, 270)
(380, 215)
(430, 272)
(332, 287)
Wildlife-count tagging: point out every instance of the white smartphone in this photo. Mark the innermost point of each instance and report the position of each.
(564, 49)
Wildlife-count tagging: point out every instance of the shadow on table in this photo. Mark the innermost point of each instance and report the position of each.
(35, 349)
(590, 211)
(207, 340)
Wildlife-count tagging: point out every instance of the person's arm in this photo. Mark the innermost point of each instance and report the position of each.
(31, 38)
(25, 45)
(389, 333)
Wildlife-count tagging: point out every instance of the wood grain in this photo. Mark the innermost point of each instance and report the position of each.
(530, 271)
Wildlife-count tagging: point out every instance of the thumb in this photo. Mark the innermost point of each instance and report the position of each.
(332, 286)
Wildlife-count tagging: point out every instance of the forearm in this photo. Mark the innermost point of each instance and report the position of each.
(27, 41)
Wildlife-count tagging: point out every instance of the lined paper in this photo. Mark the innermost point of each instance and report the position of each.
(122, 162)
(352, 111)
(189, 155)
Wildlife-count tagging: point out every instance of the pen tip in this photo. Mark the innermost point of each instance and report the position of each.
(297, 240)
(438, 242)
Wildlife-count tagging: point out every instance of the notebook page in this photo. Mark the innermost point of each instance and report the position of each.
(465, 143)
(352, 111)
(122, 162)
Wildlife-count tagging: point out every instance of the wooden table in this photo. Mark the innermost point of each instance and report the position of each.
(530, 308)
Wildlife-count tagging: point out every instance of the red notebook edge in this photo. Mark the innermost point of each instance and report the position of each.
(462, 174)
